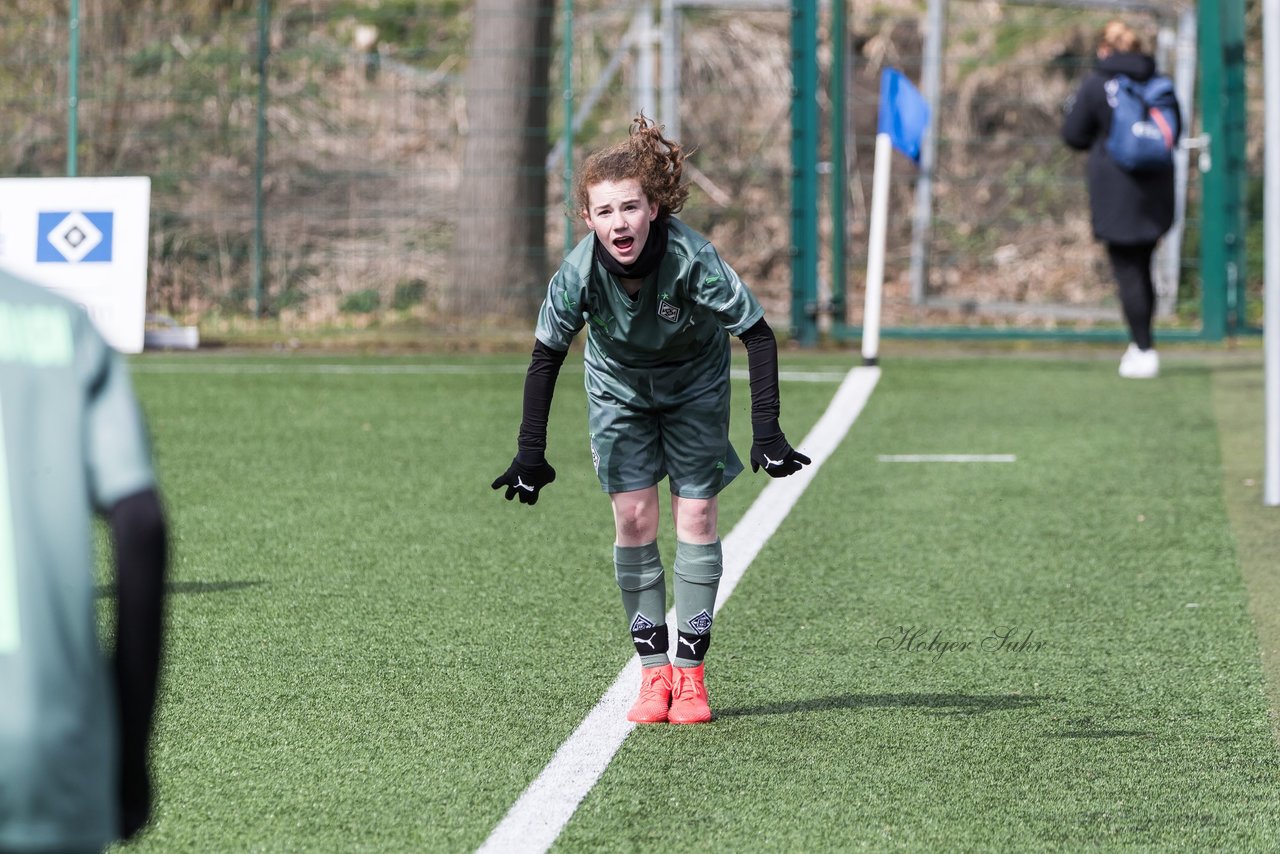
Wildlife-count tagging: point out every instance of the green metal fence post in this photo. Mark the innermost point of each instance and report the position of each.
(839, 277)
(804, 179)
(264, 31)
(1221, 28)
(73, 90)
(1237, 174)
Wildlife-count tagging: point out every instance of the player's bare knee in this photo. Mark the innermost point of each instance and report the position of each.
(696, 520)
(636, 521)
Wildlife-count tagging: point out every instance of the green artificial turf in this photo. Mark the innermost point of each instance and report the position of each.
(370, 650)
(1134, 718)
(1238, 397)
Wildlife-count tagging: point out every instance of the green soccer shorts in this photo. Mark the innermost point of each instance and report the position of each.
(662, 422)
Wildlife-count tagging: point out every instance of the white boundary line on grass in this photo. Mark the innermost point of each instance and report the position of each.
(143, 367)
(535, 820)
(947, 458)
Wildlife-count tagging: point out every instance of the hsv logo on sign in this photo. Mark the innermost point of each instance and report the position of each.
(74, 237)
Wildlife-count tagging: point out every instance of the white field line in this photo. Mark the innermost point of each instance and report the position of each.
(142, 366)
(947, 458)
(797, 376)
(537, 817)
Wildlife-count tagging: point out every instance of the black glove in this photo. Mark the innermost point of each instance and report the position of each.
(770, 451)
(525, 478)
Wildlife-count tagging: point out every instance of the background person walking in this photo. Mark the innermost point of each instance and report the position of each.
(1130, 210)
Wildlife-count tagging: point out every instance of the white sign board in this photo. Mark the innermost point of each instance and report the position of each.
(86, 239)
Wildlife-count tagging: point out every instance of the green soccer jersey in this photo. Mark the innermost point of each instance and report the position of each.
(72, 441)
(680, 315)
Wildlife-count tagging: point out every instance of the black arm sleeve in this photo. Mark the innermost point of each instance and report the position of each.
(539, 386)
(762, 367)
(141, 553)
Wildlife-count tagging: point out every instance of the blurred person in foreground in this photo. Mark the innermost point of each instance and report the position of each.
(659, 305)
(74, 725)
(1130, 211)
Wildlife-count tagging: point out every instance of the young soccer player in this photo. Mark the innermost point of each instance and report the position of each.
(659, 305)
(74, 728)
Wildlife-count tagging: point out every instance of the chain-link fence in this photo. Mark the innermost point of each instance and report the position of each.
(1008, 238)
(332, 185)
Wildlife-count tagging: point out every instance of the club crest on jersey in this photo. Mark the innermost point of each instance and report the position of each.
(641, 624)
(666, 310)
(700, 622)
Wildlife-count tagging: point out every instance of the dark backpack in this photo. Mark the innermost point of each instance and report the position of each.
(1144, 124)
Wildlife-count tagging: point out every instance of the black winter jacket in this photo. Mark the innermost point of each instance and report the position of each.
(1127, 208)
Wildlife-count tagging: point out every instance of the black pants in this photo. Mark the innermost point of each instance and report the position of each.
(1132, 268)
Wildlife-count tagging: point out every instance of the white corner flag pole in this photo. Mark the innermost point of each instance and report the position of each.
(1271, 239)
(875, 250)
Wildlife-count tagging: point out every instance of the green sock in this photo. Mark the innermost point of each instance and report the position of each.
(697, 568)
(644, 598)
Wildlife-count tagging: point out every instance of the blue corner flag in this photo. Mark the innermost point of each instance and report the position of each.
(904, 113)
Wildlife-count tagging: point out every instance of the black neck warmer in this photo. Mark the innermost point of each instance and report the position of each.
(655, 246)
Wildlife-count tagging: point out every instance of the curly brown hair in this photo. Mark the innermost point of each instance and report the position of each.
(645, 155)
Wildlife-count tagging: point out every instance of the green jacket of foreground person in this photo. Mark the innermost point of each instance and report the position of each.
(74, 725)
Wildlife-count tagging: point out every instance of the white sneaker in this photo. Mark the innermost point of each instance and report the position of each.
(1139, 364)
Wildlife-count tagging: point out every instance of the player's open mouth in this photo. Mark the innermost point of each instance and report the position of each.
(623, 244)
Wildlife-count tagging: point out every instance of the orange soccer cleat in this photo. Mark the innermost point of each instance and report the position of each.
(689, 697)
(655, 696)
